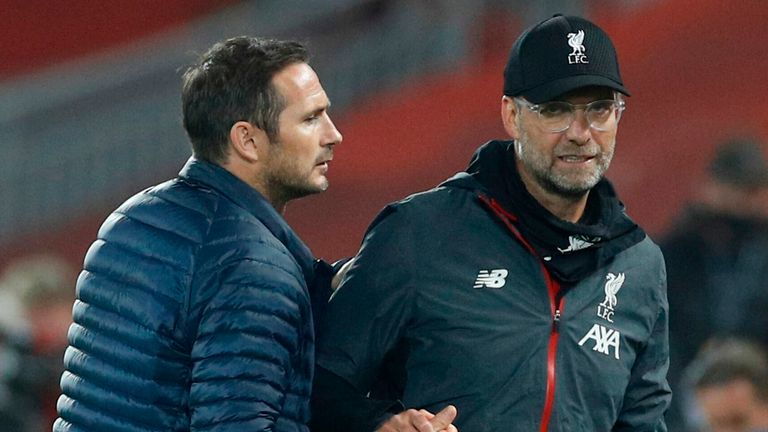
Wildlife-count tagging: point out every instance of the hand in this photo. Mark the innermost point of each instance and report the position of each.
(421, 421)
(452, 413)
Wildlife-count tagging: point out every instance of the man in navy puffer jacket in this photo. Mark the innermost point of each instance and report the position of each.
(194, 308)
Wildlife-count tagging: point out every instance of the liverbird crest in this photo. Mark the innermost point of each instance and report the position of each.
(576, 41)
(612, 286)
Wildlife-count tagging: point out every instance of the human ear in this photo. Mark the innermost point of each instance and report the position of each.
(247, 140)
(509, 115)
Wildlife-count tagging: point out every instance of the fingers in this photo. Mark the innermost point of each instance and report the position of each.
(422, 424)
(444, 418)
(421, 421)
(407, 421)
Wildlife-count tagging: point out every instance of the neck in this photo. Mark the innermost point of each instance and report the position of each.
(278, 204)
(569, 209)
(252, 179)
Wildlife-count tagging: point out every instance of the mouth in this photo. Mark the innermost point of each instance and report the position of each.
(324, 161)
(576, 159)
(323, 165)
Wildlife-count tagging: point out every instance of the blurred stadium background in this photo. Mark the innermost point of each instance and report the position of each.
(90, 109)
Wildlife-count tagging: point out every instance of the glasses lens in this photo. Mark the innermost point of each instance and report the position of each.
(603, 115)
(556, 116)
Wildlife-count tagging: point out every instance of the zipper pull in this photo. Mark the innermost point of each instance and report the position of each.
(556, 320)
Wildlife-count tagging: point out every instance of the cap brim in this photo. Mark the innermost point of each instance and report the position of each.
(553, 89)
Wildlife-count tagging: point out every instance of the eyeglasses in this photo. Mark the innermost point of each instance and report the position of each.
(557, 116)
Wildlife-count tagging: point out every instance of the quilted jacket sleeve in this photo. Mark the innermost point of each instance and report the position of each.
(241, 358)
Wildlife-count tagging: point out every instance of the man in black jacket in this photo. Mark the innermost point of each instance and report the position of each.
(518, 292)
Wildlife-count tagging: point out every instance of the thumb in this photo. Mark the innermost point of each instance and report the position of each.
(444, 418)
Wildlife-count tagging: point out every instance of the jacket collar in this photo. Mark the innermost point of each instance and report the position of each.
(211, 175)
(571, 251)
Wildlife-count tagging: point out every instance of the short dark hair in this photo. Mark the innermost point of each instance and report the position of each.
(231, 82)
(725, 361)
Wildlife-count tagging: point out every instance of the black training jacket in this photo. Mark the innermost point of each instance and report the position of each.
(448, 304)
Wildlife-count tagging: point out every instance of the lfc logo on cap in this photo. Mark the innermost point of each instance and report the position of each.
(576, 41)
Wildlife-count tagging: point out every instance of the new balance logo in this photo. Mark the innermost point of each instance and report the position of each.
(491, 278)
(604, 338)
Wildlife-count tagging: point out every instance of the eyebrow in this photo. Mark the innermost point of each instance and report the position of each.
(321, 109)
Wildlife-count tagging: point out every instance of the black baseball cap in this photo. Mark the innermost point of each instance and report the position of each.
(560, 54)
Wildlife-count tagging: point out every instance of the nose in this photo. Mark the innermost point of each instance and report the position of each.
(579, 131)
(333, 137)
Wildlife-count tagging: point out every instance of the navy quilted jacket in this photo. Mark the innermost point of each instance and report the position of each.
(192, 313)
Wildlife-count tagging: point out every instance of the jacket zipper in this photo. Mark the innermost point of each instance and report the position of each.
(556, 305)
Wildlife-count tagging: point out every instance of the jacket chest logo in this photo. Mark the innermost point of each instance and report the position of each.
(606, 340)
(491, 278)
(612, 287)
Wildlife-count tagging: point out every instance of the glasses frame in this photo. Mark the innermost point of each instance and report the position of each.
(618, 102)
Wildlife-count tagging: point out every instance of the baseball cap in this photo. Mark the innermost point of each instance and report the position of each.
(560, 54)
